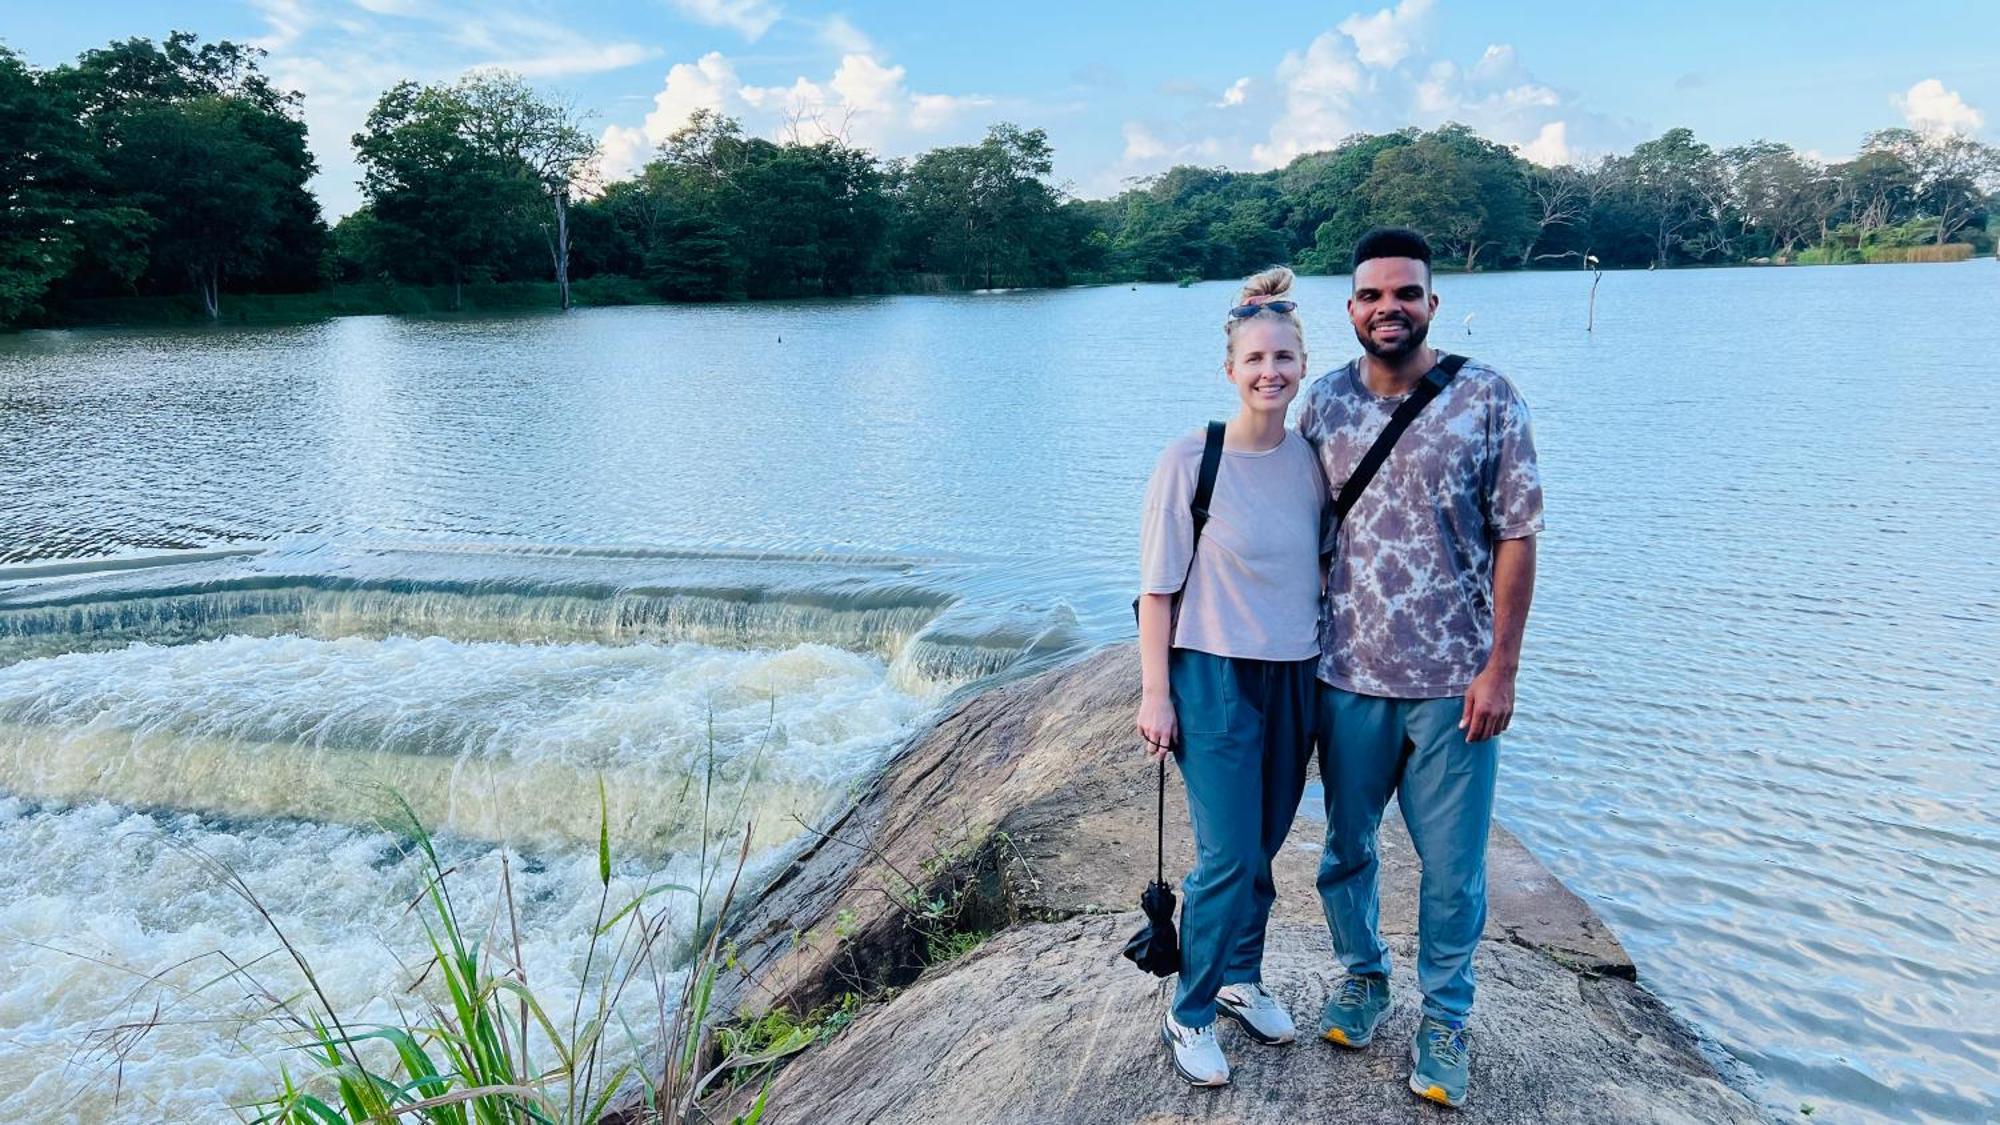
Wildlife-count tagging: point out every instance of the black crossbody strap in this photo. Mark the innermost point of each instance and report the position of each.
(1434, 381)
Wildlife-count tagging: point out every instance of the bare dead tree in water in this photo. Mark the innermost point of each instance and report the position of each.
(1560, 191)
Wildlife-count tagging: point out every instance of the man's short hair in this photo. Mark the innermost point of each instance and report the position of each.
(1393, 242)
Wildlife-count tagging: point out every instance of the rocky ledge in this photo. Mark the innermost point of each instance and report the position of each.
(980, 890)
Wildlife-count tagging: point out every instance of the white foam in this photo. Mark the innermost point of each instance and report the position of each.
(499, 741)
(107, 756)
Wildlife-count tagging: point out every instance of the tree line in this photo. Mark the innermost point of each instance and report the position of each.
(176, 168)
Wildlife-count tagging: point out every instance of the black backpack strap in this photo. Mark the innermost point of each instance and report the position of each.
(1434, 382)
(1205, 491)
(1204, 485)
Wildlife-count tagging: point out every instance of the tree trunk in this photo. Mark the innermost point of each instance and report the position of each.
(207, 283)
(457, 288)
(559, 248)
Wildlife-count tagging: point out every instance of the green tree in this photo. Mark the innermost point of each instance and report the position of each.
(541, 139)
(1785, 199)
(211, 185)
(1876, 189)
(1464, 191)
(816, 217)
(54, 209)
(1678, 185)
(446, 206)
(684, 208)
(196, 137)
(1329, 210)
(986, 213)
(1952, 175)
(1198, 222)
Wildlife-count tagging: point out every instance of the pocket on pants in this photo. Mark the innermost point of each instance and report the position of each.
(1203, 687)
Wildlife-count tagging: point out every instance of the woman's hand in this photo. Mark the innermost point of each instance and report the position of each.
(1157, 724)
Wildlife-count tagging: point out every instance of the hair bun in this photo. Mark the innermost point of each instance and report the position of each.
(1273, 282)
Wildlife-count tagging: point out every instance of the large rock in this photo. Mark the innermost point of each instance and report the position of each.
(1040, 1026)
(1029, 809)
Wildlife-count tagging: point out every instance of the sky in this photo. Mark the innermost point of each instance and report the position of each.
(1124, 90)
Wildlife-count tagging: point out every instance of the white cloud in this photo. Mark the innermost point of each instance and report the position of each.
(1529, 95)
(1434, 93)
(1146, 153)
(288, 20)
(1550, 146)
(1237, 94)
(867, 86)
(707, 83)
(1498, 63)
(341, 57)
(932, 112)
(1930, 108)
(865, 101)
(1320, 90)
(752, 18)
(1141, 144)
(844, 37)
(1387, 37)
(1374, 73)
(581, 59)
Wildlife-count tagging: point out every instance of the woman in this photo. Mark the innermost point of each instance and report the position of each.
(1228, 640)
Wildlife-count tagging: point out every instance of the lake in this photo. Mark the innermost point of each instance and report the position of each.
(245, 573)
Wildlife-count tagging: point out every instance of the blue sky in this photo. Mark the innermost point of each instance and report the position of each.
(1124, 89)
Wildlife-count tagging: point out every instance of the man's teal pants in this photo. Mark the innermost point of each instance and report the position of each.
(1371, 748)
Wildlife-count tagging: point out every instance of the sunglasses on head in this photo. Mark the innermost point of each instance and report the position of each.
(1242, 311)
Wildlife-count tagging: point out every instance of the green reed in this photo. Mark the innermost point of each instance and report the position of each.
(466, 1061)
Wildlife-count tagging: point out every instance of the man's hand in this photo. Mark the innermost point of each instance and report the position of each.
(1489, 704)
(1157, 723)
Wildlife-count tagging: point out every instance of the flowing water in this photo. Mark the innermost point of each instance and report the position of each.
(251, 577)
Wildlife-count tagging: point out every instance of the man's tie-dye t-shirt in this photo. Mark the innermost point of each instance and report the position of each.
(1409, 610)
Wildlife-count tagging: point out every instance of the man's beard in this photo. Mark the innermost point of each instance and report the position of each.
(1413, 338)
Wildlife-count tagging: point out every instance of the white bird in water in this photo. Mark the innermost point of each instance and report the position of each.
(1468, 322)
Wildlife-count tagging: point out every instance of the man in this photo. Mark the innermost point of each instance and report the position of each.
(1432, 572)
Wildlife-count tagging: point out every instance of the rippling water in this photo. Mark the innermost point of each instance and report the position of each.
(1759, 685)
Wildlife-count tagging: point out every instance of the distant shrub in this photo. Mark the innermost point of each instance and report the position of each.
(1949, 252)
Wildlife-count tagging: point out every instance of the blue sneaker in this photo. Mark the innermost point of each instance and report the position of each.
(1357, 1008)
(1440, 1061)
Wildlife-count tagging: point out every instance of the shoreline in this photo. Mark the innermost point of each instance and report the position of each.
(975, 896)
(611, 291)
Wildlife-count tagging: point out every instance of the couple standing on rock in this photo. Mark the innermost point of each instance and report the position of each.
(1360, 585)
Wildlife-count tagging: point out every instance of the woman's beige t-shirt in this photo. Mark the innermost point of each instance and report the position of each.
(1254, 589)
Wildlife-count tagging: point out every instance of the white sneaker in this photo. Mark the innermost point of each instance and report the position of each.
(1262, 1017)
(1195, 1052)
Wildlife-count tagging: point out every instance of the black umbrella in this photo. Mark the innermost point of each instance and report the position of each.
(1156, 948)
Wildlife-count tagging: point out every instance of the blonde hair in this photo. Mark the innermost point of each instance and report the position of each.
(1257, 288)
